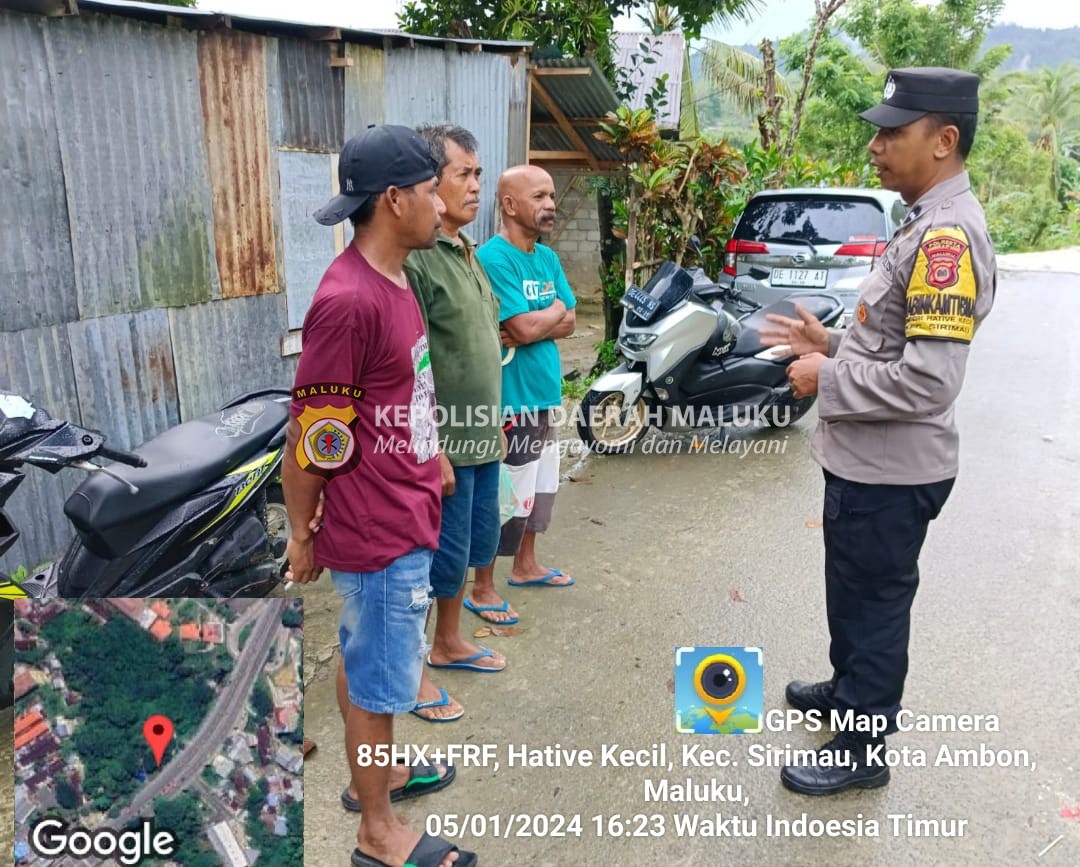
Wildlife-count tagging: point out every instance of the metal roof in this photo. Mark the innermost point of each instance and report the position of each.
(582, 93)
(158, 12)
(579, 96)
(669, 53)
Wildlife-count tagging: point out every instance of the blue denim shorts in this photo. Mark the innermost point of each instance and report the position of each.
(382, 631)
(470, 528)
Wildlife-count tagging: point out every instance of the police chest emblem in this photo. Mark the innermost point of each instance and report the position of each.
(860, 313)
(890, 88)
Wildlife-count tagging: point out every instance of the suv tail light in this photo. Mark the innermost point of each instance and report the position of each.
(865, 248)
(734, 247)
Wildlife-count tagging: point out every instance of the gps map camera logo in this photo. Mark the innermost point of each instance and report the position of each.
(718, 690)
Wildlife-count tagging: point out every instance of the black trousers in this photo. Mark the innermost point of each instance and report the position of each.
(873, 536)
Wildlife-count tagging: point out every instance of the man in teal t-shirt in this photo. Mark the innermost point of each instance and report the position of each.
(526, 283)
(536, 306)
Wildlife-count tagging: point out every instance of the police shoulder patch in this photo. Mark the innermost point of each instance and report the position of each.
(941, 292)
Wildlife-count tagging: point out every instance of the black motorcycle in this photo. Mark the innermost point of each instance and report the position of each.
(195, 511)
(694, 359)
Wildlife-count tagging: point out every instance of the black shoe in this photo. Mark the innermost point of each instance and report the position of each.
(840, 764)
(810, 696)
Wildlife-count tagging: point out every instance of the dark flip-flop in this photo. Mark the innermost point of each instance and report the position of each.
(429, 852)
(423, 780)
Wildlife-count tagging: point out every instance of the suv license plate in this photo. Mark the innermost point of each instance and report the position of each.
(799, 277)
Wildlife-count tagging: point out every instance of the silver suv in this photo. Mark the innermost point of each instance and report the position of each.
(810, 239)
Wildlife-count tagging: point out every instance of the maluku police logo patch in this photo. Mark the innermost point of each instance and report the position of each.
(940, 299)
(328, 444)
(943, 254)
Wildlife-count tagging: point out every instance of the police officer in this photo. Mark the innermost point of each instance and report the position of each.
(887, 435)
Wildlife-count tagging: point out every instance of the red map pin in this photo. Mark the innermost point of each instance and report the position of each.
(158, 731)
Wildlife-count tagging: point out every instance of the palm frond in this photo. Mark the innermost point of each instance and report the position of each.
(737, 75)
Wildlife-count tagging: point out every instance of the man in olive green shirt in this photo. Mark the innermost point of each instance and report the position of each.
(461, 314)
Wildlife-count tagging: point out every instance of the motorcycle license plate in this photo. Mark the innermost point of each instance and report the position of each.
(801, 278)
(640, 303)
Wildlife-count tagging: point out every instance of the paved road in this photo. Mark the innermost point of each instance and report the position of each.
(232, 632)
(183, 769)
(660, 545)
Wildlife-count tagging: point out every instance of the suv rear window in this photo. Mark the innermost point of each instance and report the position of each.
(819, 220)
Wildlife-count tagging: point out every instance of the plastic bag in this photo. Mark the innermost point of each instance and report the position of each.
(508, 498)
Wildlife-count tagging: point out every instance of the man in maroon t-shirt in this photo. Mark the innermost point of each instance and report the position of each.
(363, 437)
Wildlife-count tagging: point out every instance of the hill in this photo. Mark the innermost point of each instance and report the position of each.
(1032, 48)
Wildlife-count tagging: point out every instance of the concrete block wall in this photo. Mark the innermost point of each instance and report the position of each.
(577, 232)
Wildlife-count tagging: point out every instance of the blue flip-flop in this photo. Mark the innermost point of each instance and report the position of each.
(541, 582)
(444, 700)
(476, 609)
(469, 663)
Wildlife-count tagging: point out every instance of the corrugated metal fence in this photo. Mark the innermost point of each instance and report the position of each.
(160, 244)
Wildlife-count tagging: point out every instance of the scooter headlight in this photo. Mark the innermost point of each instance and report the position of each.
(637, 342)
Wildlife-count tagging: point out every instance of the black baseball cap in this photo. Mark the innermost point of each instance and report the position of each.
(920, 90)
(380, 157)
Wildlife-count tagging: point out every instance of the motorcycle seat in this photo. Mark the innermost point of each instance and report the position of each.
(749, 342)
(179, 462)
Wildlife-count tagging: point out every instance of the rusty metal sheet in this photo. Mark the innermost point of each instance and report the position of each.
(233, 86)
(243, 337)
(125, 376)
(131, 139)
(36, 363)
(365, 84)
(306, 185)
(37, 273)
(312, 96)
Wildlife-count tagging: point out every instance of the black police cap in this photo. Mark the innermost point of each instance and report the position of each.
(919, 90)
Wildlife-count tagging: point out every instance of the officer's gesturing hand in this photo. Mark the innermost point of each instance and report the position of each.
(803, 375)
(804, 335)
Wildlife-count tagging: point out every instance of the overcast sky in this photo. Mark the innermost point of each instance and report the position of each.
(780, 18)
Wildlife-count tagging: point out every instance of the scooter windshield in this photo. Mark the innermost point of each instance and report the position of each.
(669, 285)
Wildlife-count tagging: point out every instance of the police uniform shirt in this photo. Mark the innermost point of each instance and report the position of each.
(886, 393)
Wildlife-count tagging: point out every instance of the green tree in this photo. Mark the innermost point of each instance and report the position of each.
(184, 816)
(756, 85)
(576, 28)
(66, 796)
(899, 33)
(116, 699)
(843, 87)
(1047, 104)
(292, 618)
(262, 702)
(739, 76)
